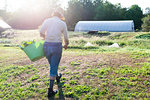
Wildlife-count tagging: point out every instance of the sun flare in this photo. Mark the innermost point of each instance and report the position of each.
(13, 5)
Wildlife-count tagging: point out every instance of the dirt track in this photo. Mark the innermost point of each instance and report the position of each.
(113, 60)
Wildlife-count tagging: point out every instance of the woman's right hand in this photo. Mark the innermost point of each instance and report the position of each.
(65, 46)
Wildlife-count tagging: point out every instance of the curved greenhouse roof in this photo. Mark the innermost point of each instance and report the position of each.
(111, 26)
(3, 25)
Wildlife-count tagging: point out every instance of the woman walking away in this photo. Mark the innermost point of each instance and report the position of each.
(51, 30)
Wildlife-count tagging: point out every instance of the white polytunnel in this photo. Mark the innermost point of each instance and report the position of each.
(111, 26)
(4, 25)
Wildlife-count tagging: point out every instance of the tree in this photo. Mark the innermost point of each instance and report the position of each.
(108, 11)
(147, 10)
(79, 10)
(73, 14)
(146, 23)
(135, 13)
(88, 9)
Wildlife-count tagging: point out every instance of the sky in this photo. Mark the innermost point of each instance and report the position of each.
(13, 5)
(127, 3)
(124, 3)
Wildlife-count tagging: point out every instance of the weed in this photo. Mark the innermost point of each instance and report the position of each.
(74, 63)
(147, 83)
(34, 77)
(62, 68)
(73, 82)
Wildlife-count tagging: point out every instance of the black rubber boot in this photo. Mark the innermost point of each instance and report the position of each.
(51, 92)
(58, 78)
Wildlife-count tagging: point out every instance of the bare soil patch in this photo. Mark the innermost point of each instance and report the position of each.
(84, 62)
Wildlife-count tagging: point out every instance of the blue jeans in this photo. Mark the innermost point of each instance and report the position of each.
(53, 52)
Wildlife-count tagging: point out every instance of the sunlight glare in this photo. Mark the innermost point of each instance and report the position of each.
(14, 5)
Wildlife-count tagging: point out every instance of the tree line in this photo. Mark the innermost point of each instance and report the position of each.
(99, 10)
(77, 10)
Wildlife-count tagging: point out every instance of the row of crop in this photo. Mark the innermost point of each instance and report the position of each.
(125, 82)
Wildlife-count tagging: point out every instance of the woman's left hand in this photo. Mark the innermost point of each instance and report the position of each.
(42, 35)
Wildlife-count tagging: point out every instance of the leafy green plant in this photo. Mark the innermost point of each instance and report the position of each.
(102, 43)
(62, 67)
(34, 77)
(26, 43)
(74, 63)
(73, 82)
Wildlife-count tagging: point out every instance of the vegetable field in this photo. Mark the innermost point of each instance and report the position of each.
(94, 72)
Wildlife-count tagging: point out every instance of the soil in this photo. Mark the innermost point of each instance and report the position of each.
(114, 60)
(85, 61)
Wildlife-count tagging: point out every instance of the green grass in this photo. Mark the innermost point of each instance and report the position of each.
(143, 36)
(89, 73)
(132, 83)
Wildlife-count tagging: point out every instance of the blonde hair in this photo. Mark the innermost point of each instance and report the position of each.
(56, 14)
(59, 13)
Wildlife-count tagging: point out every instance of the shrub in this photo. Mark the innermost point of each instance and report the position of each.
(99, 32)
(146, 23)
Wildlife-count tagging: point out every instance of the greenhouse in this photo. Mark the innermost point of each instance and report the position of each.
(3, 25)
(111, 26)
